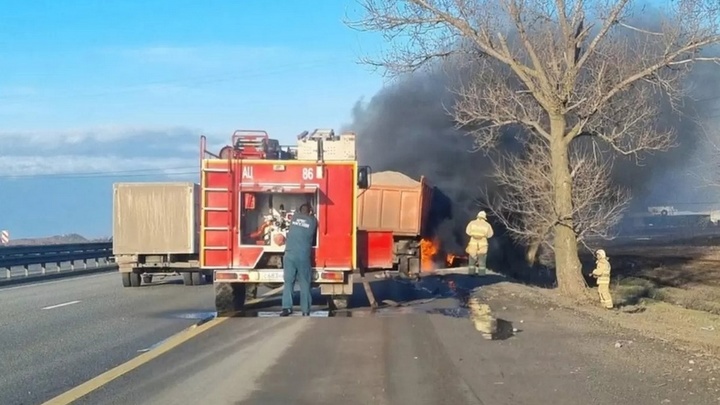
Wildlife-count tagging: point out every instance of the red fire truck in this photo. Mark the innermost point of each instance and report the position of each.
(249, 192)
(230, 229)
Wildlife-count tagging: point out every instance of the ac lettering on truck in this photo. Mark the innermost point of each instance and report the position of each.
(247, 172)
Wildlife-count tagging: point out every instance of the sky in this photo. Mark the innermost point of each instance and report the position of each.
(93, 93)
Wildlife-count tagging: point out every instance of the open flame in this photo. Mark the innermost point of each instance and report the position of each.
(450, 259)
(428, 250)
(455, 260)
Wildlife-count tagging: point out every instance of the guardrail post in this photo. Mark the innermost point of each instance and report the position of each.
(97, 262)
(84, 264)
(72, 265)
(43, 266)
(8, 273)
(27, 271)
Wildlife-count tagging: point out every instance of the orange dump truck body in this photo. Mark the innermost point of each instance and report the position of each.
(392, 215)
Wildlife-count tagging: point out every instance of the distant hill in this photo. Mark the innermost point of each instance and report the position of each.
(55, 240)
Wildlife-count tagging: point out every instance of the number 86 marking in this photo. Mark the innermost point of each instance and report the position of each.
(308, 173)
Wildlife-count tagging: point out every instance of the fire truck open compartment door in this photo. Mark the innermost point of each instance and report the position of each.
(262, 214)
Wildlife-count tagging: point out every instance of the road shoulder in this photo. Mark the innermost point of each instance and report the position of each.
(564, 355)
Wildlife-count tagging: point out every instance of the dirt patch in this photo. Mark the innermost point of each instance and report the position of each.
(687, 329)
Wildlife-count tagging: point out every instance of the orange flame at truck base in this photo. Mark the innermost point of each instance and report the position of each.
(428, 250)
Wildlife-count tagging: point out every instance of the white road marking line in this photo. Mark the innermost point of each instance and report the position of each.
(41, 283)
(61, 305)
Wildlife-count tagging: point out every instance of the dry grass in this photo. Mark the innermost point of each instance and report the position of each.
(687, 276)
(688, 329)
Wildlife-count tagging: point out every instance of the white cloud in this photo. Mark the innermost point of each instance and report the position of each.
(91, 166)
(106, 150)
(51, 139)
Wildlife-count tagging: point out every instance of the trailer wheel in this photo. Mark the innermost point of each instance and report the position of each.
(125, 279)
(197, 278)
(134, 279)
(187, 278)
(339, 302)
(229, 298)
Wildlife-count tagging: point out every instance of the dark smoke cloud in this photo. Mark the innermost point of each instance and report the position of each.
(674, 177)
(406, 127)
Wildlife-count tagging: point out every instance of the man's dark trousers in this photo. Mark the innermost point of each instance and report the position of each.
(296, 268)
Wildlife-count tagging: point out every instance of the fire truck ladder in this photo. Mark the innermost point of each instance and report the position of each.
(229, 227)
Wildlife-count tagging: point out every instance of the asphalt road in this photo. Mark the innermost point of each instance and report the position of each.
(423, 354)
(59, 333)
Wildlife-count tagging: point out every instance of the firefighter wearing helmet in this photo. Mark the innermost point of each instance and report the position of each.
(602, 274)
(479, 231)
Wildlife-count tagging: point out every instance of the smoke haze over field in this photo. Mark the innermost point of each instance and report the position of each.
(406, 127)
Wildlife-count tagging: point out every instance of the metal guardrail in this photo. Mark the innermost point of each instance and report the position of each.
(42, 255)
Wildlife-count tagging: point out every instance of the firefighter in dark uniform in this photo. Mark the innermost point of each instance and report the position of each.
(297, 264)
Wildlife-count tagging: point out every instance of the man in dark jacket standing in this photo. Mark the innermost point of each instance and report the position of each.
(297, 262)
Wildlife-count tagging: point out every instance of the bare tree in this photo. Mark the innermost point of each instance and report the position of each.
(558, 69)
(525, 205)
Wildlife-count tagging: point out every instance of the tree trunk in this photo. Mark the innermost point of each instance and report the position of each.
(567, 262)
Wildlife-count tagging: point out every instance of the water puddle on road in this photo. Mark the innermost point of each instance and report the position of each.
(195, 315)
(446, 296)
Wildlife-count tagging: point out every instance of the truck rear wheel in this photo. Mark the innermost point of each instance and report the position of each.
(197, 278)
(125, 279)
(134, 279)
(229, 298)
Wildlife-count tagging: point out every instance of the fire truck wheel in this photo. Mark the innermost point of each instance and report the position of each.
(229, 298)
(187, 278)
(125, 279)
(251, 290)
(134, 279)
(197, 278)
(339, 302)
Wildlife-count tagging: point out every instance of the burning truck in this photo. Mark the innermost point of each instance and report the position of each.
(230, 229)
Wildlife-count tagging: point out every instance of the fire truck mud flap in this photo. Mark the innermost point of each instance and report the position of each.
(229, 298)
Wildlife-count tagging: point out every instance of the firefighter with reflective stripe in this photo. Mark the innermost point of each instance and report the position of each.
(602, 274)
(297, 263)
(479, 231)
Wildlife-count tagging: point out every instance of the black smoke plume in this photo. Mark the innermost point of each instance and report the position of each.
(407, 127)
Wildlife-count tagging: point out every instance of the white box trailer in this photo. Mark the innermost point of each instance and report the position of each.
(156, 228)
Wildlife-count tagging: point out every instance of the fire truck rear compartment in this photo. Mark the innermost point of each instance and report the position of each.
(266, 215)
